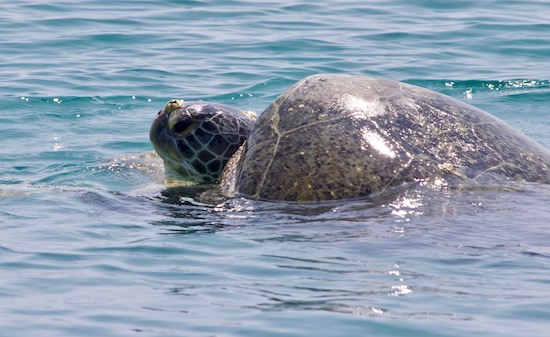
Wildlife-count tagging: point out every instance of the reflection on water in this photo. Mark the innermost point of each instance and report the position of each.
(406, 206)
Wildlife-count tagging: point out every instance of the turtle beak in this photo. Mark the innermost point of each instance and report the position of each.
(168, 129)
(158, 134)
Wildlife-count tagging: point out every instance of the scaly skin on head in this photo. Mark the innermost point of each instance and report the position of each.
(196, 139)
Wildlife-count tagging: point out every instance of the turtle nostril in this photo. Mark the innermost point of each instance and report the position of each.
(182, 126)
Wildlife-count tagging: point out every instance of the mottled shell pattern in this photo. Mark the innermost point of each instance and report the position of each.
(334, 137)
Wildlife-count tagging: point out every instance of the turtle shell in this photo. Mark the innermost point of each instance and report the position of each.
(332, 137)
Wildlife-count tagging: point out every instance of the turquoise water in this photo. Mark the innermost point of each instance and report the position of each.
(90, 247)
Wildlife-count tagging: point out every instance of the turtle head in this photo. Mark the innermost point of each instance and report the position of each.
(196, 139)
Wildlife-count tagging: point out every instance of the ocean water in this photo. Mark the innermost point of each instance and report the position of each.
(89, 246)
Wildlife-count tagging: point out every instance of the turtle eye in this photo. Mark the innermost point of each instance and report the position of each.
(183, 126)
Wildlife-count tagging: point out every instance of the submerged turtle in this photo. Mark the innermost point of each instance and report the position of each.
(333, 137)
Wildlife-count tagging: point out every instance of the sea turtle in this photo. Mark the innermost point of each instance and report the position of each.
(332, 137)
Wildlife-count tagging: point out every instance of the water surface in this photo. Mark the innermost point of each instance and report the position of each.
(90, 247)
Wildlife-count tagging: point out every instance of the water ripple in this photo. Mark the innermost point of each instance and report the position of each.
(94, 245)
